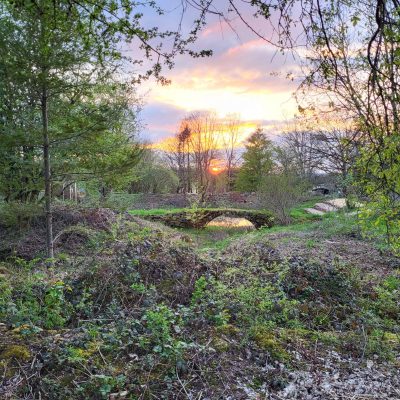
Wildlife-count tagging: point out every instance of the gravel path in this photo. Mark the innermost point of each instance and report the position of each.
(334, 378)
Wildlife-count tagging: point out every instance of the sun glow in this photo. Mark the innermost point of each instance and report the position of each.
(252, 104)
(217, 166)
(221, 137)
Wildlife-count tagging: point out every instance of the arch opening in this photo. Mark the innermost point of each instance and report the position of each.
(228, 222)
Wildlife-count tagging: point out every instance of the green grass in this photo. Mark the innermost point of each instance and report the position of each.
(327, 226)
(214, 237)
(298, 213)
(218, 238)
(331, 224)
(295, 227)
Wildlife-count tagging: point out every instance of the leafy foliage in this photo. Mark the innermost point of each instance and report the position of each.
(91, 122)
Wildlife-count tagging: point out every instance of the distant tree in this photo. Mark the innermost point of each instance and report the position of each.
(257, 162)
(204, 129)
(179, 158)
(330, 148)
(184, 162)
(151, 175)
(284, 162)
(337, 148)
(299, 148)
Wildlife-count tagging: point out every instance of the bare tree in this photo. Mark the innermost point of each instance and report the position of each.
(231, 140)
(192, 149)
(204, 128)
(299, 145)
(330, 148)
(178, 157)
(184, 143)
(337, 149)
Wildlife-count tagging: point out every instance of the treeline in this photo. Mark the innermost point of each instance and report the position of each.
(209, 154)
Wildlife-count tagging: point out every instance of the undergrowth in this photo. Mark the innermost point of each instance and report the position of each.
(142, 315)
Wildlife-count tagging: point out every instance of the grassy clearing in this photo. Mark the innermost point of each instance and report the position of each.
(340, 223)
(218, 238)
(165, 211)
(330, 225)
(326, 226)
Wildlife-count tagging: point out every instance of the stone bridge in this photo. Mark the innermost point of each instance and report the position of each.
(199, 218)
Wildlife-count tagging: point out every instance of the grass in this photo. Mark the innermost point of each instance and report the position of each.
(327, 226)
(298, 213)
(295, 227)
(210, 237)
(339, 223)
(214, 237)
(218, 238)
(163, 211)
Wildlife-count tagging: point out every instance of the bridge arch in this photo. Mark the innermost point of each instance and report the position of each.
(199, 218)
(231, 222)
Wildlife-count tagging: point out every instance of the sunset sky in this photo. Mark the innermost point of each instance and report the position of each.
(245, 75)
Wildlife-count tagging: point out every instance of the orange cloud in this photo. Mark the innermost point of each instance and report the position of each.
(221, 136)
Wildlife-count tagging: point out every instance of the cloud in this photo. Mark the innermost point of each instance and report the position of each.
(250, 65)
(245, 75)
(160, 120)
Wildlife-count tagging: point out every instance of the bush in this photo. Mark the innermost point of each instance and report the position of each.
(279, 193)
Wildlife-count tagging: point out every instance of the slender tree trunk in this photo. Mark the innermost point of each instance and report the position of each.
(189, 183)
(47, 175)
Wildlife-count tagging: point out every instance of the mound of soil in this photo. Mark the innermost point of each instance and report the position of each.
(29, 242)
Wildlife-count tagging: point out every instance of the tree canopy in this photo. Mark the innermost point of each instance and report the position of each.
(257, 162)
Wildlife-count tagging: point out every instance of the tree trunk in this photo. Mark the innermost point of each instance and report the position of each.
(47, 175)
(189, 183)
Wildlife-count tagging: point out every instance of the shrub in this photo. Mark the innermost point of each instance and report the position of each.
(279, 193)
